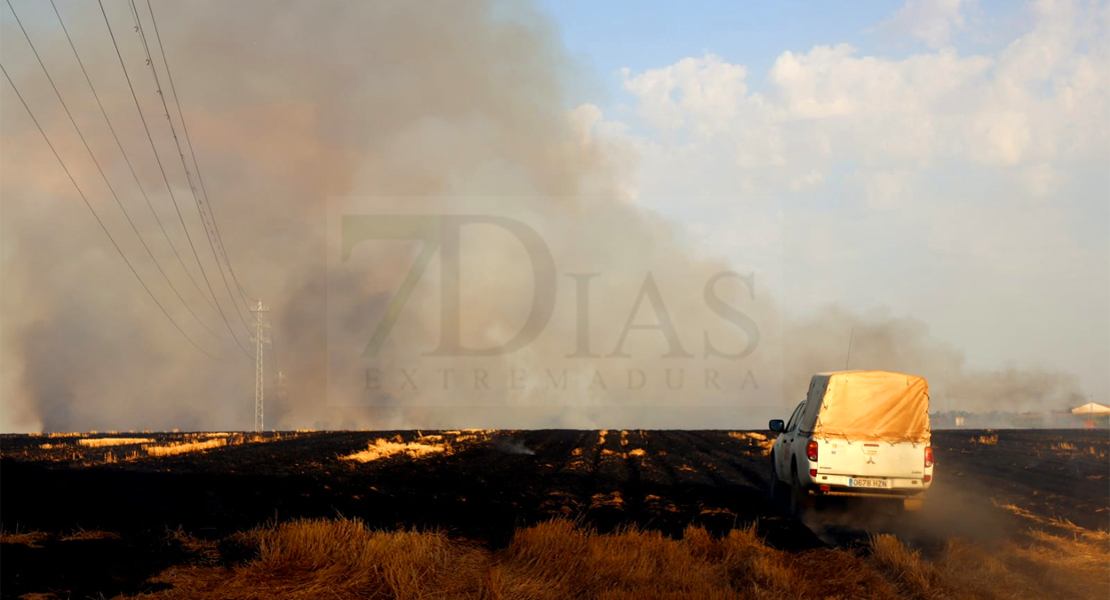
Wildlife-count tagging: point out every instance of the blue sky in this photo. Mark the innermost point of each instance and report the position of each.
(616, 34)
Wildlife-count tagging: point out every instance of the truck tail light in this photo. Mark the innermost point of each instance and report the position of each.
(928, 456)
(811, 450)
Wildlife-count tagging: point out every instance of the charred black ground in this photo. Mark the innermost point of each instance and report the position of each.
(486, 488)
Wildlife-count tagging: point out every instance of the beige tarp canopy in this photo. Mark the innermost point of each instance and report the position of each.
(868, 405)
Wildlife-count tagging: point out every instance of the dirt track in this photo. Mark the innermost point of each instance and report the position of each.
(493, 482)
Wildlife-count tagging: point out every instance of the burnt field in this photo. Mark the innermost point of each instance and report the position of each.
(132, 489)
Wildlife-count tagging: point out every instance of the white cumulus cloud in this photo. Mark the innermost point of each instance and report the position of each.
(986, 170)
(931, 21)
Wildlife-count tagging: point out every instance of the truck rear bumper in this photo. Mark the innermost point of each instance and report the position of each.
(842, 485)
(890, 494)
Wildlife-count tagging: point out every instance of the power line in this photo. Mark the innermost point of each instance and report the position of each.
(165, 178)
(181, 154)
(88, 205)
(98, 167)
(150, 139)
(93, 156)
(127, 159)
(196, 165)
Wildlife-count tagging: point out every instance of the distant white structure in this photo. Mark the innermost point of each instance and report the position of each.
(1091, 408)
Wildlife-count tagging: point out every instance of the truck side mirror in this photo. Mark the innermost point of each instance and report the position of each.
(776, 425)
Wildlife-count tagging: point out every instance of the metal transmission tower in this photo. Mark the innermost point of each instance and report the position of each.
(259, 385)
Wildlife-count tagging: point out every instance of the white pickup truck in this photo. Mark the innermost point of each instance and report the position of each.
(857, 433)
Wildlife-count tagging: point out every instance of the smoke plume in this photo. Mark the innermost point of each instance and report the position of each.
(292, 105)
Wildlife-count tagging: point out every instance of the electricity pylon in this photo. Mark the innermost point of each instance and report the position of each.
(259, 386)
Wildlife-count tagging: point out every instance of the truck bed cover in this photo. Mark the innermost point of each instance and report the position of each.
(868, 405)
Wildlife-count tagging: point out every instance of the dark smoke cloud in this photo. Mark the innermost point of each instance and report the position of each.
(289, 104)
(903, 344)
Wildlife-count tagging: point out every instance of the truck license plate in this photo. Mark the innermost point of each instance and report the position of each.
(867, 482)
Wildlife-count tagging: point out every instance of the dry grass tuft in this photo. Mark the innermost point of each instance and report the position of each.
(912, 577)
(985, 440)
(185, 447)
(558, 559)
(26, 538)
(1045, 566)
(755, 439)
(607, 500)
(338, 559)
(141, 447)
(447, 442)
(101, 442)
(1064, 526)
(85, 534)
(382, 448)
